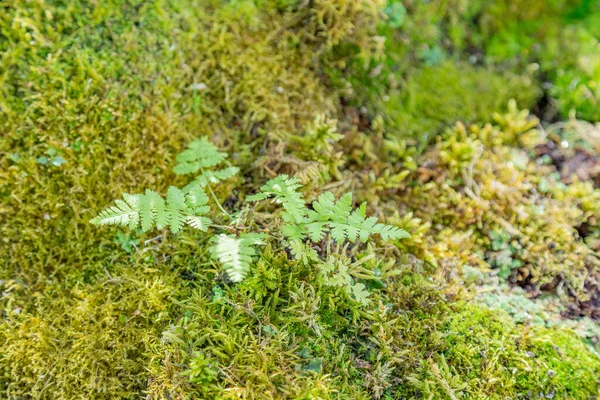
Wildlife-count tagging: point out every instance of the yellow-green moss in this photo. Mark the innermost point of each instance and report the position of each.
(95, 100)
(478, 186)
(434, 97)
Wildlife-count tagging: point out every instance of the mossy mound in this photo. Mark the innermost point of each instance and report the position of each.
(96, 99)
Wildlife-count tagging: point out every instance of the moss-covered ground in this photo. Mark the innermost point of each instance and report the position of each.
(495, 296)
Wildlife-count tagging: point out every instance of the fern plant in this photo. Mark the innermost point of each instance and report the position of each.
(328, 220)
(181, 207)
(201, 156)
(328, 217)
(235, 253)
(188, 206)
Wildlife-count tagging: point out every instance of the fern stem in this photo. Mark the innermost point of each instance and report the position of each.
(214, 196)
(217, 201)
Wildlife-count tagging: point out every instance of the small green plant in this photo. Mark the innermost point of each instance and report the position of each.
(181, 207)
(199, 156)
(504, 254)
(126, 242)
(328, 221)
(235, 253)
(52, 158)
(201, 371)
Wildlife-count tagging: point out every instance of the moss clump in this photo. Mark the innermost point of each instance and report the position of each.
(114, 89)
(522, 225)
(88, 340)
(95, 98)
(486, 355)
(432, 98)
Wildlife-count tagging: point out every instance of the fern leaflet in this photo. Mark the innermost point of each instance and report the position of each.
(199, 154)
(337, 216)
(181, 207)
(358, 226)
(235, 253)
(208, 177)
(284, 190)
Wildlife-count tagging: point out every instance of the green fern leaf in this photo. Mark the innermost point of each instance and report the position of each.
(327, 215)
(284, 190)
(360, 293)
(176, 209)
(146, 214)
(358, 227)
(338, 232)
(235, 253)
(150, 208)
(293, 231)
(126, 212)
(208, 177)
(158, 207)
(197, 222)
(316, 231)
(323, 207)
(388, 232)
(200, 153)
(303, 252)
(196, 200)
(342, 208)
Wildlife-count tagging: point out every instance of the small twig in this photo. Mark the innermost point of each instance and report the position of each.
(154, 239)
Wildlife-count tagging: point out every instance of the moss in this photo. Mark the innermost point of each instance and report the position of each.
(435, 97)
(115, 89)
(560, 38)
(95, 100)
(488, 352)
(483, 185)
(86, 341)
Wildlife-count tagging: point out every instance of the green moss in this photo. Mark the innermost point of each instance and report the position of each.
(116, 89)
(435, 97)
(489, 352)
(97, 98)
(87, 341)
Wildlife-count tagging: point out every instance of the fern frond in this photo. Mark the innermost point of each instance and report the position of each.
(335, 272)
(176, 209)
(337, 216)
(150, 208)
(327, 209)
(303, 252)
(235, 253)
(196, 199)
(215, 176)
(360, 293)
(316, 231)
(358, 226)
(200, 223)
(200, 153)
(125, 212)
(284, 190)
